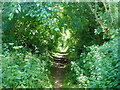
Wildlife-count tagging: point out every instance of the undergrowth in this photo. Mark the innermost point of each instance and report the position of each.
(22, 69)
(98, 68)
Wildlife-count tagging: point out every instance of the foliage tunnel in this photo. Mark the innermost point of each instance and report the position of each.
(87, 31)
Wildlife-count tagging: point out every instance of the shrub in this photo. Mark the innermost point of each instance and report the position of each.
(99, 68)
(22, 69)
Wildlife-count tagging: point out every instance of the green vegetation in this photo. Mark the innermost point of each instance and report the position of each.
(87, 31)
(22, 69)
(97, 68)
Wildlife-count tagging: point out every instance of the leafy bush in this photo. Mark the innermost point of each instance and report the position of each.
(31, 24)
(21, 69)
(99, 68)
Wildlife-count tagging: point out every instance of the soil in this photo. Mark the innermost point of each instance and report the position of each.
(58, 70)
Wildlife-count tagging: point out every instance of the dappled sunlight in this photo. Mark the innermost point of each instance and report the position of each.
(63, 42)
(60, 45)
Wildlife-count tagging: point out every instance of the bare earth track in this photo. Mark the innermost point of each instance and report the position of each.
(58, 69)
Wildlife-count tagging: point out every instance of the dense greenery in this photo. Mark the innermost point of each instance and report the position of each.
(21, 69)
(87, 31)
(94, 63)
(97, 68)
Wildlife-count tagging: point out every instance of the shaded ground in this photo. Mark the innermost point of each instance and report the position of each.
(58, 75)
(58, 69)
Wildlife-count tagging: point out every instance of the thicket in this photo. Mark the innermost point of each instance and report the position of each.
(96, 64)
(33, 30)
(97, 68)
(22, 69)
(28, 37)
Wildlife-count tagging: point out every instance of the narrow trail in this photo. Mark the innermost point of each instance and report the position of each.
(58, 69)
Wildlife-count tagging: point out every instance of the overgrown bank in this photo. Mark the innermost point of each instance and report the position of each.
(22, 69)
(98, 67)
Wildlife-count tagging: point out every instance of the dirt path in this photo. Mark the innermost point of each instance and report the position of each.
(58, 74)
(58, 70)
